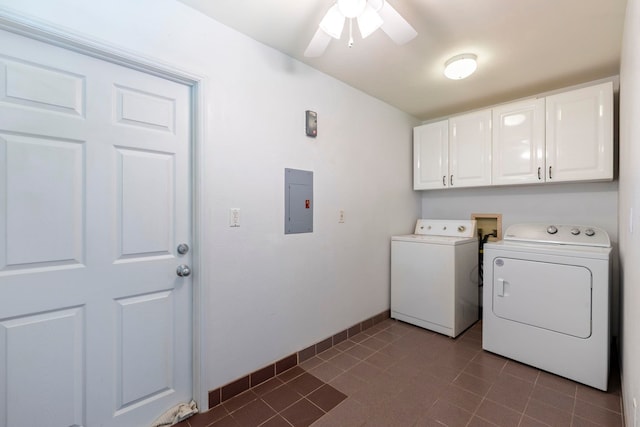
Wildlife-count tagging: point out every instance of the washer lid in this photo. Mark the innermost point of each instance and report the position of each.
(434, 240)
(445, 227)
(578, 235)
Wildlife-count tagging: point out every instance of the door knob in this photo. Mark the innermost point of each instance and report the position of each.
(183, 270)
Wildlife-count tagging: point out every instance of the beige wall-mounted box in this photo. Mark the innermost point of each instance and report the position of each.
(489, 223)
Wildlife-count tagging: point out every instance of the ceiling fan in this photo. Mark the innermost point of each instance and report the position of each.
(369, 14)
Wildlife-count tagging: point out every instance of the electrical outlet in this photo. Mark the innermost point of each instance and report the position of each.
(341, 216)
(234, 217)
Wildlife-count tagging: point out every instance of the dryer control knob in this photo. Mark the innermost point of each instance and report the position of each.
(575, 231)
(589, 232)
(461, 228)
(552, 229)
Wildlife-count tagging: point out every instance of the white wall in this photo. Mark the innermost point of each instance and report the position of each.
(576, 203)
(271, 294)
(630, 208)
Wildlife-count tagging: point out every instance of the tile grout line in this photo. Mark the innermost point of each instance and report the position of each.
(573, 407)
(302, 397)
(475, 412)
(535, 382)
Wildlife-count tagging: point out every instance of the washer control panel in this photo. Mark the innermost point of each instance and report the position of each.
(558, 233)
(445, 227)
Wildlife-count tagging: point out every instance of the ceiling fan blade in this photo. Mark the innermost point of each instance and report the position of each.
(318, 44)
(396, 27)
(369, 21)
(333, 22)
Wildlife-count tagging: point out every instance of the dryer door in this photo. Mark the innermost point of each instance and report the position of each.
(552, 296)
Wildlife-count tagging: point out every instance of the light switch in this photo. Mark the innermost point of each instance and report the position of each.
(341, 216)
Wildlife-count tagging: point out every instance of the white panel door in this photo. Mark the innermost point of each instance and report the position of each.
(470, 149)
(431, 156)
(580, 134)
(518, 143)
(95, 325)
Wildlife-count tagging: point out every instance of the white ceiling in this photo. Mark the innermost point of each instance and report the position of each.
(524, 47)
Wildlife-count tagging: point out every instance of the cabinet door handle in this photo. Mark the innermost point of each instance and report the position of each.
(444, 180)
(451, 181)
(550, 177)
(539, 177)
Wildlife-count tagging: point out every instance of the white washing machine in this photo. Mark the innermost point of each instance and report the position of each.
(546, 299)
(434, 276)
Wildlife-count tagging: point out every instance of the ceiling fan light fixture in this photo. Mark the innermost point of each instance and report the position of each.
(371, 15)
(351, 8)
(369, 21)
(333, 22)
(461, 66)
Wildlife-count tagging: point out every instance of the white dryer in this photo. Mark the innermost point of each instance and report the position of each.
(546, 299)
(434, 276)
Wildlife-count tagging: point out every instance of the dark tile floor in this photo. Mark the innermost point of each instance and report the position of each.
(397, 375)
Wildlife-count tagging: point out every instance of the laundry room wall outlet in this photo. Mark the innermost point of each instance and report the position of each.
(234, 217)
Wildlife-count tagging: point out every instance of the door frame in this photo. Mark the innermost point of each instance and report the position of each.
(48, 33)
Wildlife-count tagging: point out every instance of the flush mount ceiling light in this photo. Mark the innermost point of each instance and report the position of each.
(369, 14)
(460, 66)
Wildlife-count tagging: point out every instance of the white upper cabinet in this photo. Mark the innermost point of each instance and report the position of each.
(470, 149)
(431, 156)
(559, 138)
(519, 143)
(580, 134)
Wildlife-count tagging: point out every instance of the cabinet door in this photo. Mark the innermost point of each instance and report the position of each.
(431, 156)
(470, 149)
(580, 134)
(518, 143)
